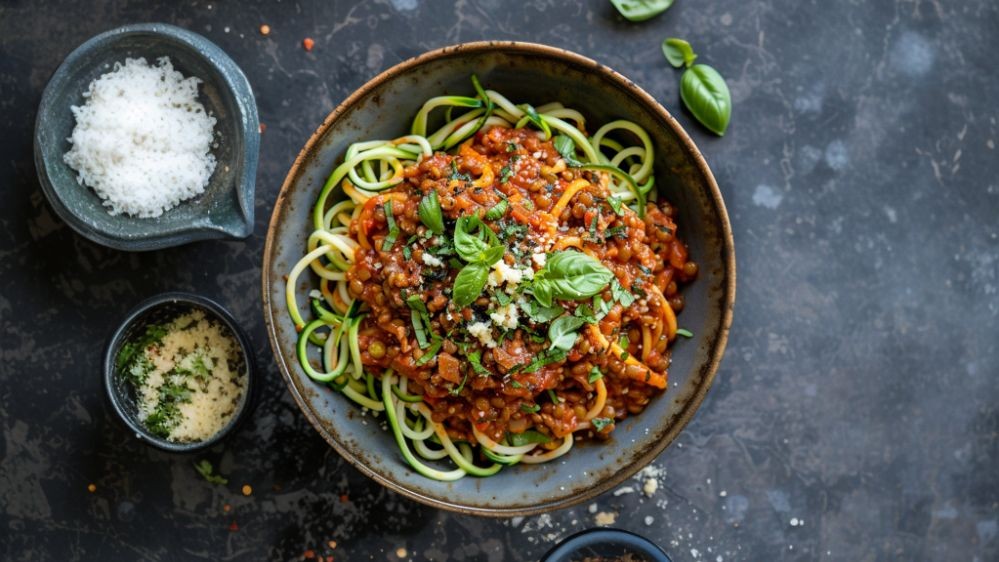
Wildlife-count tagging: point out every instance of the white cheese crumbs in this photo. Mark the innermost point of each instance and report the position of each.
(605, 518)
(592, 508)
(505, 316)
(432, 261)
(484, 332)
(503, 273)
(142, 140)
(649, 520)
(795, 522)
(540, 259)
(624, 490)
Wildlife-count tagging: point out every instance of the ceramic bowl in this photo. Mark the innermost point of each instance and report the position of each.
(224, 210)
(157, 310)
(606, 544)
(383, 108)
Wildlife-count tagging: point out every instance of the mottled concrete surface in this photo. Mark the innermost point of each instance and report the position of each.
(859, 391)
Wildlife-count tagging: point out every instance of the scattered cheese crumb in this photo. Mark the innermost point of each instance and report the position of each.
(540, 259)
(649, 520)
(650, 486)
(723, 493)
(505, 316)
(482, 331)
(624, 490)
(605, 518)
(795, 522)
(432, 261)
(592, 508)
(503, 273)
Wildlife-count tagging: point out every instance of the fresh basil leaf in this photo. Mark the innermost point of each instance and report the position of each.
(595, 375)
(430, 213)
(526, 438)
(641, 10)
(540, 313)
(419, 330)
(562, 332)
(468, 284)
(498, 210)
(678, 52)
(566, 147)
(492, 255)
(416, 303)
(468, 246)
(706, 95)
(600, 423)
(204, 468)
(585, 312)
(542, 291)
(572, 275)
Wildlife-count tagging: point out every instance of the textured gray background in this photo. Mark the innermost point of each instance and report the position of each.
(859, 390)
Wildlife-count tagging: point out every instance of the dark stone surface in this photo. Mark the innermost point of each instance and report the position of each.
(858, 393)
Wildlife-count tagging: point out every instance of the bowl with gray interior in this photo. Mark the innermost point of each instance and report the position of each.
(224, 210)
(383, 109)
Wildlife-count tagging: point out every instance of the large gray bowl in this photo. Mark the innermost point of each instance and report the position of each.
(382, 109)
(224, 210)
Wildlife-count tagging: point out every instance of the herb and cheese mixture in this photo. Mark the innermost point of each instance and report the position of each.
(188, 377)
(142, 140)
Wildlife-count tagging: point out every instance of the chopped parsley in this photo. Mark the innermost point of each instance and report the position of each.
(600, 423)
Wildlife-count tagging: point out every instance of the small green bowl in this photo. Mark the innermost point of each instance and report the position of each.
(224, 210)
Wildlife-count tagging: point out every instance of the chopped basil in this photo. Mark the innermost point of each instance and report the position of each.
(546, 357)
(685, 333)
(595, 375)
(567, 149)
(539, 313)
(516, 384)
(419, 329)
(456, 175)
(430, 213)
(498, 210)
(502, 298)
(619, 231)
(511, 146)
(393, 228)
(553, 397)
(593, 226)
(505, 174)
(621, 294)
(407, 253)
(530, 409)
(526, 438)
(616, 204)
(431, 352)
(600, 423)
(585, 312)
(475, 359)
(204, 468)
(457, 390)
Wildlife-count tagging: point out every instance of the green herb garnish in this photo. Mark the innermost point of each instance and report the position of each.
(530, 409)
(595, 375)
(526, 438)
(392, 226)
(498, 210)
(204, 468)
(430, 212)
(570, 275)
(641, 10)
(685, 333)
(600, 423)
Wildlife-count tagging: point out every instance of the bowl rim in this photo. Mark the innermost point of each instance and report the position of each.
(600, 535)
(708, 372)
(117, 338)
(234, 81)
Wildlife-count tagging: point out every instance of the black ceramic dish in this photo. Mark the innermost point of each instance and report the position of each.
(159, 309)
(610, 544)
(224, 210)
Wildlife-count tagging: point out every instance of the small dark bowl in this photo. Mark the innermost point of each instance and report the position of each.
(605, 543)
(224, 210)
(163, 308)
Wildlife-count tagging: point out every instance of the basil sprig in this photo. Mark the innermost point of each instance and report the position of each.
(641, 10)
(478, 245)
(526, 438)
(702, 88)
(569, 275)
(430, 213)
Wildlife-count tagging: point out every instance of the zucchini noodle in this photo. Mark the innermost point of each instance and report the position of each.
(329, 345)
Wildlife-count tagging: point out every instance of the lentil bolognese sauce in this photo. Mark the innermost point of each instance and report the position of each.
(500, 287)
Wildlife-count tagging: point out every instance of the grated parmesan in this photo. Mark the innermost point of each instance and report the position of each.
(142, 139)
